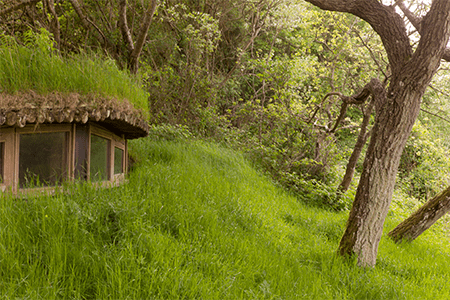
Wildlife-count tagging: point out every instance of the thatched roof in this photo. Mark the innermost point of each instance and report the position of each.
(31, 108)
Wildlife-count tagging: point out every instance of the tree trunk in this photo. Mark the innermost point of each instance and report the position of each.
(360, 142)
(423, 218)
(396, 112)
(393, 125)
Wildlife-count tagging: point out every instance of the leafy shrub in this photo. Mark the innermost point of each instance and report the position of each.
(425, 164)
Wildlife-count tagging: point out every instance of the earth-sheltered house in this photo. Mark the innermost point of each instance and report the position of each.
(46, 140)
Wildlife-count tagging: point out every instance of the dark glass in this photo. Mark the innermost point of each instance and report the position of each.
(81, 151)
(42, 159)
(99, 158)
(118, 160)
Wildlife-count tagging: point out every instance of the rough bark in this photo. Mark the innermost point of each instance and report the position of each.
(423, 218)
(396, 111)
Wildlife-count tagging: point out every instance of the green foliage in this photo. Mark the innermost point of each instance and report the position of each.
(195, 221)
(37, 67)
(425, 164)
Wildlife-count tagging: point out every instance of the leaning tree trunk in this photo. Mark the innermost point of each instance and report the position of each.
(423, 218)
(360, 142)
(393, 124)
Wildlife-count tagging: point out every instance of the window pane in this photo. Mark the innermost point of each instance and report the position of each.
(99, 158)
(2, 161)
(42, 159)
(118, 160)
(81, 151)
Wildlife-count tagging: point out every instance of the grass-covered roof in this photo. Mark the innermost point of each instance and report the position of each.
(38, 85)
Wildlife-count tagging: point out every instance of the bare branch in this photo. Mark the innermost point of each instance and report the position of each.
(371, 53)
(18, 6)
(436, 115)
(86, 23)
(134, 57)
(321, 103)
(360, 142)
(123, 24)
(54, 23)
(415, 21)
(341, 116)
(374, 88)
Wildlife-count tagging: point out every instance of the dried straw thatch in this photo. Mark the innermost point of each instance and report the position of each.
(32, 108)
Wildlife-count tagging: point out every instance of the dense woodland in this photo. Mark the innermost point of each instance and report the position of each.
(271, 78)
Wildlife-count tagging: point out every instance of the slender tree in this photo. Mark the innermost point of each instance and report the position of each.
(396, 108)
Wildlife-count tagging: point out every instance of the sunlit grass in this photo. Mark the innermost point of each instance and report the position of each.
(35, 67)
(195, 221)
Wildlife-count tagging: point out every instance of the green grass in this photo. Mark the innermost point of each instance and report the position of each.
(37, 67)
(195, 221)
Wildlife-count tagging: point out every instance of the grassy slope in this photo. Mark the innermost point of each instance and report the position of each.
(197, 222)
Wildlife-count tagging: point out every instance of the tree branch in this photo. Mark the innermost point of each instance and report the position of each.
(436, 115)
(86, 23)
(134, 57)
(123, 24)
(54, 23)
(18, 6)
(321, 103)
(389, 25)
(415, 21)
(432, 44)
(370, 89)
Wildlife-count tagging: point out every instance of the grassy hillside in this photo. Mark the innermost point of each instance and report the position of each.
(195, 221)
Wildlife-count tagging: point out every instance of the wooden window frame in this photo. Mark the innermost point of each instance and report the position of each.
(114, 142)
(7, 136)
(45, 128)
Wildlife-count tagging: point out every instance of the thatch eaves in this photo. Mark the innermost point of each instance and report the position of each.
(119, 116)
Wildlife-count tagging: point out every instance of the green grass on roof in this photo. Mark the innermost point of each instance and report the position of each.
(37, 67)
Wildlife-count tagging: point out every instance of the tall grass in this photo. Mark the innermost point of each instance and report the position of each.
(36, 66)
(195, 221)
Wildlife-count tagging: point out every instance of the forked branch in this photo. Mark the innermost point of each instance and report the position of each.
(415, 21)
(374, 88)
